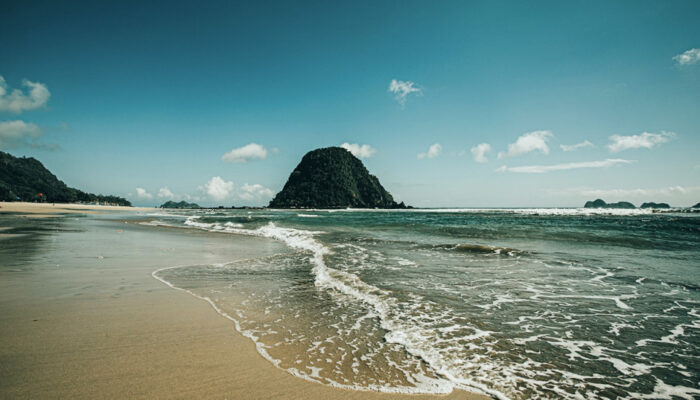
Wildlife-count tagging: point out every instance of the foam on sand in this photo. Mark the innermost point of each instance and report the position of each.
(400, 328)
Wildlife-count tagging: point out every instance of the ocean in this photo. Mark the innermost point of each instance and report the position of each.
(512, 303)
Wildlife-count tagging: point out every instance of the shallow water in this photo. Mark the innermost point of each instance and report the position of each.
(549, 303)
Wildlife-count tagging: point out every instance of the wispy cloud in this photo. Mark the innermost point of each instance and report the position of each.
(255, 192)
(402, 89)
(251, 151)
(433, 151)
(688, 57)
(17, 101)
(217, 188)
(165, 193)
(540, 169)
(531, 141)
(142, 193)
(360, 151)
(643, 140)
(44, 146)
(17, 133)
(479, 152)
(574, 147)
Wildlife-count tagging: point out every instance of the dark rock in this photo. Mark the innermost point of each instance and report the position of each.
(333, 178)
(181, 204)
(599, 203)
(655, 205)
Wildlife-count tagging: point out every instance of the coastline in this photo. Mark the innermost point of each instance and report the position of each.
(96, 324)
(39, 210)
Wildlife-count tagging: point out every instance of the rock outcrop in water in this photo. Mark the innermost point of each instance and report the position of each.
(599, 203)
(651, 204)
(332, 178)
(181, 204)
(26, 179)
(696, 206)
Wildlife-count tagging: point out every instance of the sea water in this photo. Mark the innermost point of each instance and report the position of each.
(518, 303)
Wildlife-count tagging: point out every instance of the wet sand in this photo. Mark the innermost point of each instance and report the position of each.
(82, 317)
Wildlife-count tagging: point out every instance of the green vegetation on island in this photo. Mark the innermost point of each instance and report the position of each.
(181, 204)
(599, 203)
(26, 179)
(651, 204)
(332, 177)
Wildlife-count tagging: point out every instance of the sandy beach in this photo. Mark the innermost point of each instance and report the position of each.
(39, 210)
(82, 317)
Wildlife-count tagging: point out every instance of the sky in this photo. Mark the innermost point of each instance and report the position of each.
(449, 104)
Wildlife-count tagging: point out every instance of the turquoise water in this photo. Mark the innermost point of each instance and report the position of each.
(548, 303)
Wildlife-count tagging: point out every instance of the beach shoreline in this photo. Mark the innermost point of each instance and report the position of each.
(38, 210)
(96, 324)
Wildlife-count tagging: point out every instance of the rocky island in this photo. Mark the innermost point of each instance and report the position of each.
(651, 204)
(180, 204)
(599, 203)
(332, 177)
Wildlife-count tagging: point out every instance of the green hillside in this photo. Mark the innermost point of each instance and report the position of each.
(26, 179)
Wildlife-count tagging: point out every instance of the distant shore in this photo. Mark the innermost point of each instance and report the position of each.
(48, 209)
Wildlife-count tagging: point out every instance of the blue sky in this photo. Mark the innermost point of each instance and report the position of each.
(115, 97)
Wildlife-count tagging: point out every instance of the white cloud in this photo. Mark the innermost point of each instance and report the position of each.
(143, 194)
(16, 133)
(402, 89)
(577, 146)
(539, 169)
(528, 142)
(688, 57)
(218, 188)
(165, 193)
(19, 133)
(643, 140)
(433, 151)
(251, 151)
(479, 152)
(360, 151)
(16, 101)
(255, 191)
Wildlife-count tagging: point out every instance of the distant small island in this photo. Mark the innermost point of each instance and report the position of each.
(26, 179)
(655, 205)
(180, 204)
(599, 203)
(333, 177)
